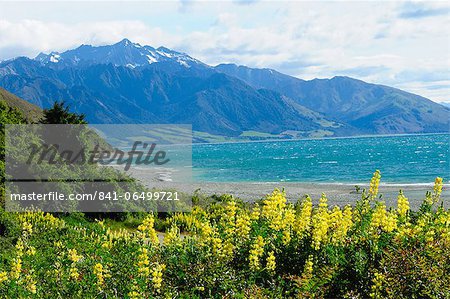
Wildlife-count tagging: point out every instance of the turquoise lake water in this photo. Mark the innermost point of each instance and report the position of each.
(401, 159)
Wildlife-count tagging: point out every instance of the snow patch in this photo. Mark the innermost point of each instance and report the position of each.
(183, 63)
(55, 58)
(151, 59)
(164, 54)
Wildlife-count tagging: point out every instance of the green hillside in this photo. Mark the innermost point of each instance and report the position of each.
(31, 112)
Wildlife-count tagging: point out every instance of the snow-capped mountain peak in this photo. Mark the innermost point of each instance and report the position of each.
(123, 53)
(53, 57)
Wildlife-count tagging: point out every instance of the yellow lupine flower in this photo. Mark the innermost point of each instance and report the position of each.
(143, 262)
(205, 231)
(402, 204)
(172, 235)
(323, 202)
(216, 245)
(289, 216)
(16, 268)
(157, 274)
(20, 247)
(390, 223)
(74, 256)
(303, 219)
(320, 224)
(228, 249)
(286, 236)
(73, 273)
(308, 268)
(231, 209)
(256, 252)
(273, 207)
(320, 230)
(255, 212)
(243, 223)
(340, 222)
(438, 184)
(147, 228)
(27, 228)
(376, 286)
(374, 184)
(3, 276)
(99, 273)
(382, 219)
(428, 198)
(379, 215)
(134, 295)
(30, 284)
(31, 250)
(270, 262)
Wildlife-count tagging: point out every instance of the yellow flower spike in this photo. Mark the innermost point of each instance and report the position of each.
(228, 249)
(157, 274)
(379, 215)
(99, 272)
(30, 284)
(143, 262)
(172, 235)
(256, 251)
(273, 209)
(438, 184)
(134, 295)
(308, 268)
(243, 228)
(270, 262)
(303, 219)
(338, 224)
(320, 223)
(216, 246)
(377, 285)
(73, 273)
(256, 213)
(231, 209)
(74, 256)
(16, 268)
(374, 184)
(323, 202)
(402, 205)
(286, 237)
(391, 222)
(147, 229)
(3, 277)
(20, 247)
(289, 217)
(31, 250)
(27, 228)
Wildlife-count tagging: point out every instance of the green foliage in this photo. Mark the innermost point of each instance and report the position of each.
(59, 113)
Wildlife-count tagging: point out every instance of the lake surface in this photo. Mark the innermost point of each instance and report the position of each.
(401, 159)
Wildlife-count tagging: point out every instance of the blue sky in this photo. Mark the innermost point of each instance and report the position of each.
(401, 44)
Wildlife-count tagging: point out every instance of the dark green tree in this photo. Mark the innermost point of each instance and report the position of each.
(59, 114)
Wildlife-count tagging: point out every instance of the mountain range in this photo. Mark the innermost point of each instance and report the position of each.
(129, 83)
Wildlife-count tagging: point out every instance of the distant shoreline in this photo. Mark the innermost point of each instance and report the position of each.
(337, 194)
(237, 140)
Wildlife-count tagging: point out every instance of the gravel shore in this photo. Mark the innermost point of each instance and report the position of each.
(337, 194)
